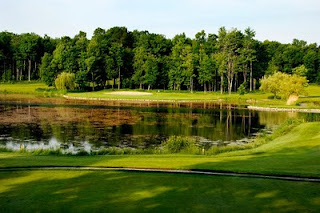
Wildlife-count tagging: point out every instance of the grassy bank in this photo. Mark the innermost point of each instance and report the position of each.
(293, 153)
(257, 98)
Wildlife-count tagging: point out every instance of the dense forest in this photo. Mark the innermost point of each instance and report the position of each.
(123, 59)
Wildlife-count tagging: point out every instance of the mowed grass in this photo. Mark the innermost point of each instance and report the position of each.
(110, 191)
(23, 88)
(296, 153)
(258, 98)
(168, 95)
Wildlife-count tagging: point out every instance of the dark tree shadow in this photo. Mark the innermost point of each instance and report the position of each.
(109, 191)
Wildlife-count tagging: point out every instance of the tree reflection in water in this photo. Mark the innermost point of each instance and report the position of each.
(87, 127)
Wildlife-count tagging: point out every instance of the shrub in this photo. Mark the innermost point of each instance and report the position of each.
(284, 84)
(300, 70)
(242, 88)
(82, 152)
(176, 144)
(65, 81)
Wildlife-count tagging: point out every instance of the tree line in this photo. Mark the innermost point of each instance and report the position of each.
(139, 59)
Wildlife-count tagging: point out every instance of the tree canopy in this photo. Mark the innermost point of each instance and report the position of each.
(140, 59)
(284, 84)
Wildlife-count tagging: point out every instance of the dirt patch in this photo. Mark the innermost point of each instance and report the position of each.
(128, 93)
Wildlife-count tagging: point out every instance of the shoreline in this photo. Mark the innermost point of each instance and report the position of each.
(156, 102)
(276, 109)
(219, 101)
(143, 100)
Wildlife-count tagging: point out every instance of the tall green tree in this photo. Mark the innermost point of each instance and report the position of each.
(138, 64)
(47, 73)
(207, 70)
(229, 44)
(117, 53)
(29, 45)
(176, 76)
(188, 66)
(150, 70)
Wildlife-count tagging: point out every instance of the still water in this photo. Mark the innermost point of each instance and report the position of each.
(76, 127)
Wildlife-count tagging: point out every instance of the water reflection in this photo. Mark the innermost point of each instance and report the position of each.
(93, 127)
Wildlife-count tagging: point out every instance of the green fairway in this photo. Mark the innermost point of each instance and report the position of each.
(257, 98)
(83, 191)
(23, 88)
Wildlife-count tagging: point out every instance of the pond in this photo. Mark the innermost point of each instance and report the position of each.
(88, 127)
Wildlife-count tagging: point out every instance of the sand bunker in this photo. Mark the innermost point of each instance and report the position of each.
(128, 93)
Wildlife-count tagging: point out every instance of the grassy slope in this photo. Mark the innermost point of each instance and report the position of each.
(106, 191)
(296, 153)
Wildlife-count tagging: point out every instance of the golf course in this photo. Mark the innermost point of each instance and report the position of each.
(31, 178)
(159, 106)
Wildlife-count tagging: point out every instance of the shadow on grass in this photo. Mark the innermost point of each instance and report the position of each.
(297, 161)
(83, 191)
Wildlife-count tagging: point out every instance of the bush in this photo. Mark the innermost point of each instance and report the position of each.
(82, 152)
(284, 84)
(300, 70)
(65, 81)
(242, 88)
(176, 144)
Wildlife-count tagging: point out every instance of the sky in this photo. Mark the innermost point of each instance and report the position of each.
(279, 20)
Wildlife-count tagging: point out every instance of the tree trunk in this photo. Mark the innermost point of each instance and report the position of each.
(215, 80)
(29, 70)
(20, 75)
(149, 86)
(191, 84)
(221, 84)
(24, 69)
(92, 81)
(35, 67)
(230, 85)
(17, 77)
(119, 78)
(250, 76)
(4, 70)
(140, 85)
(245, 73)
(235, 84)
